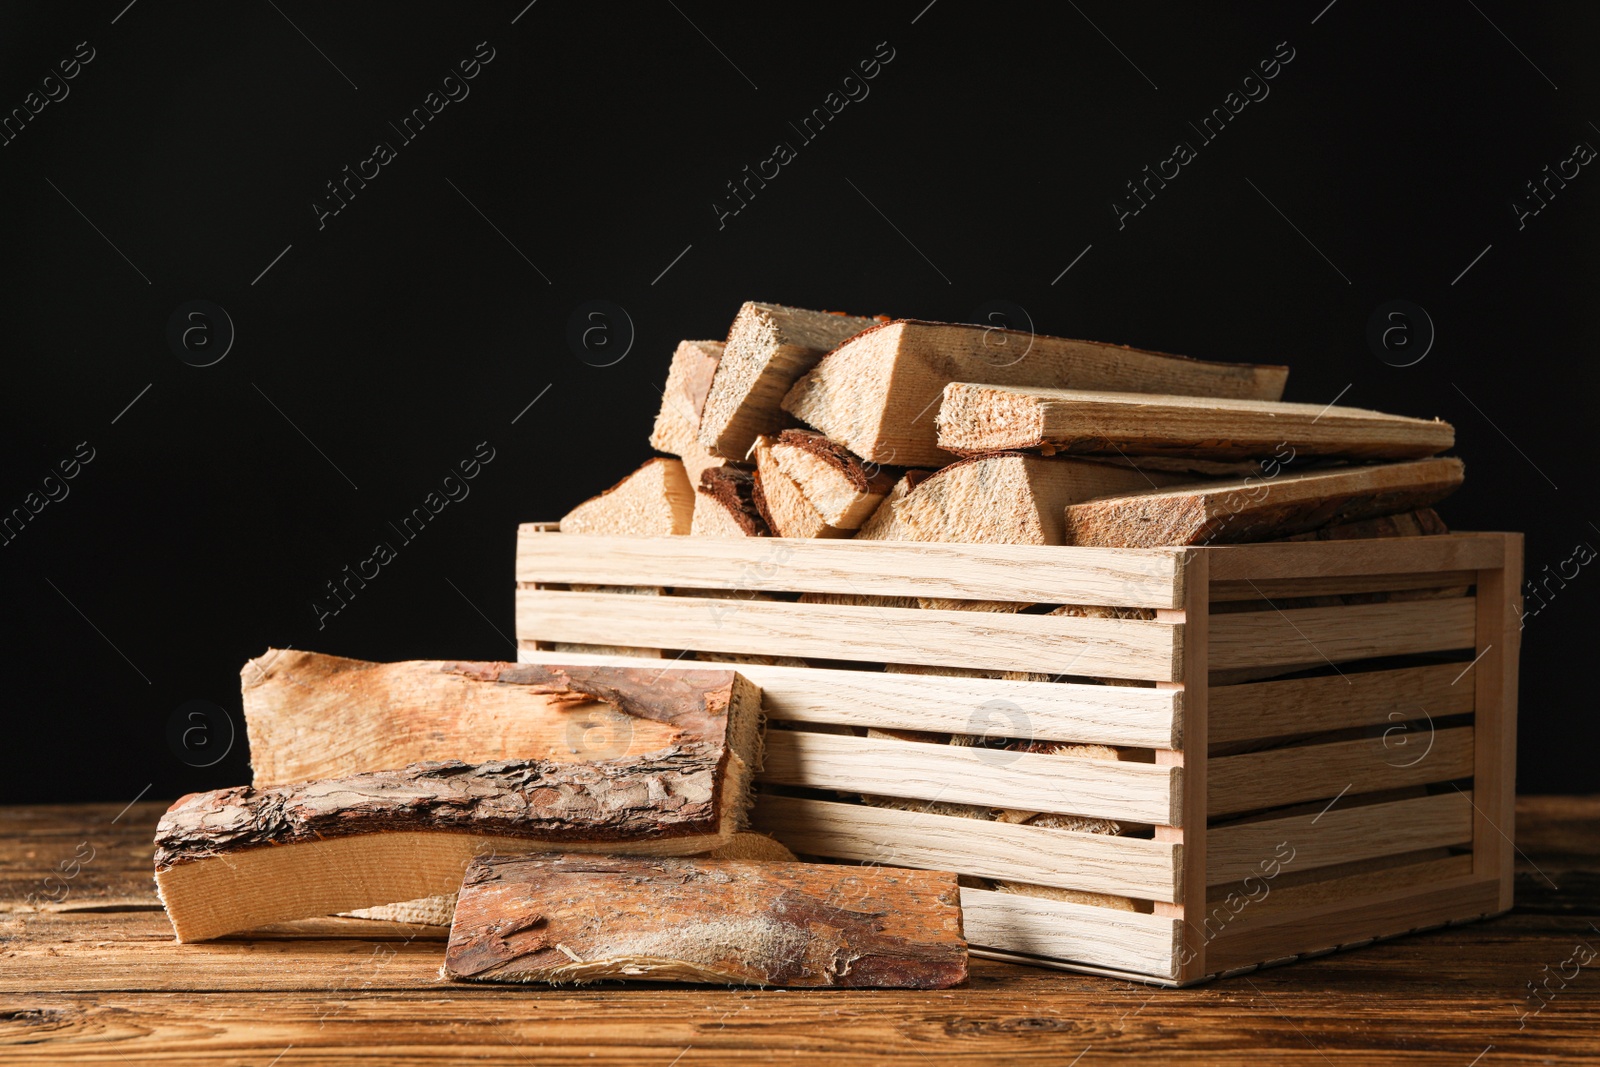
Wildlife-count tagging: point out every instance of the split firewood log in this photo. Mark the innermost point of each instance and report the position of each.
(769, 346)
(875, 393)
(655, 499)
(677, 426)
(573, 918)
(725, 504)
(239, 858)
(1262, 509)
(838, 486)
(783, 503)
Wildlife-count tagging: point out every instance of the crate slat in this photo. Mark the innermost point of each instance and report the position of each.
(1341, 835)
(1416, 756)
(1105, 789)
(1117, 648)
(1335, 702)
(1271, 638)
(1389, 555)
(1101, 937)
(1337, 585)
(1053, 711)
(1124, 866)
(1116, 577)
(1284, 898)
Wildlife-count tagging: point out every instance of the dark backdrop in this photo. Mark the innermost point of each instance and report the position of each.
(375, 348)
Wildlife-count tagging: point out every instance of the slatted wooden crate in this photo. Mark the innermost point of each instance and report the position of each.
(1264, 818)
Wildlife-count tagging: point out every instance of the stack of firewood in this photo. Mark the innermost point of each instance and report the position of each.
(817, 424)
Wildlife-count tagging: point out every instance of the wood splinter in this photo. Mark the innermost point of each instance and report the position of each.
(574, 918)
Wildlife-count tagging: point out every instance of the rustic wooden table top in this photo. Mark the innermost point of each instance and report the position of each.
(89, 973)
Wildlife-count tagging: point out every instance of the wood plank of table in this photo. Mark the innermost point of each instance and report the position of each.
(97, 979)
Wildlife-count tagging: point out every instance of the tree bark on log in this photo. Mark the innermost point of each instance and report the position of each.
(237, 858)
(569, 918)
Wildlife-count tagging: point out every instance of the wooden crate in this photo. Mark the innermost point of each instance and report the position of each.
(1265, 818)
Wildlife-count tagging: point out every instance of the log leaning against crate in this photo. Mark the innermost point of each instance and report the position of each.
(1306, 744)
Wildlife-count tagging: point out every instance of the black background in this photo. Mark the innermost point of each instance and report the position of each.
(383, 347)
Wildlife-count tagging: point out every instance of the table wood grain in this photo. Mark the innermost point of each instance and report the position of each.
(96, 978)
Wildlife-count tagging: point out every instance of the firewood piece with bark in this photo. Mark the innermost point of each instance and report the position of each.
(234, 859)
(1008, 498)
(783, 503)
(573, 918)
(769, 346)
(834, 481)
(677, 425)
(1232, 512)
(310, 716)
(655, 499)
(725, 504)
(974, 419)
(439, 910)
(874, 393)
(882, 520)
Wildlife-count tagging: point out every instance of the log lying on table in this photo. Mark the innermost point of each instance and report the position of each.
(875, 394)
(570, 918)
(783, 503)
(677, 426)
(994, 418)
(655, 499)
(725, 505)
(769, 346)
(439, 910)
(1260, 509)
(311, 716)
(1009, 498)
(837, 485)
(238, 858)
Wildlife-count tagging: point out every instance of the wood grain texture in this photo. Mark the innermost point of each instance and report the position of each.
(1260, 509)
(1330, 559)
(1137, 578)
(996, 418)
(1107, 789)
(1343, 633)
(1102, 863)
(656, 499)
(1499, 641)
(1116, 648)
(94, 986)
(1059, 711)
(311, 716)
(562, 919)
(1356, 698)
(236, 858)
(1125, 941)
(871, 394)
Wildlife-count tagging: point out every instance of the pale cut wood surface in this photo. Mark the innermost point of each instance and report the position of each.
(1107, 789)
(1044, 711)
(1117, 648)
(1103, 863)
(1190, 762)
(1327, 559)
(1260, 509)
(1288, 898)
(769, 346)
(782, 502)
(1339, 634)
(843, 490)
(1358, 698)
(677, 424)
(655, 499)
(96, 986)
(997, 418)
(1408, 754)
(1101, 937)
(565, 918)
(875, 393)
(312, 716)
(1134, 578)
(1347, 831)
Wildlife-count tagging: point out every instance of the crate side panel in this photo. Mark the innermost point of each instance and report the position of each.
(1101, 937)
(1354, 698)
(1043, 574)
(1341, 634)
(1117, 648)
(1099, 863)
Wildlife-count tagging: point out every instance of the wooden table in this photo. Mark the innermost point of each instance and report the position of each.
(96, 978)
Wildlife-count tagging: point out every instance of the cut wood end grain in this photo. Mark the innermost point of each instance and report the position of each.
(572, 919)
(769, 346)
(976, 418)
(677, 423)
(656, 499)
(725, 505)
(1260, 509)
(835, 482)
(874, 394)
(782, 501)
